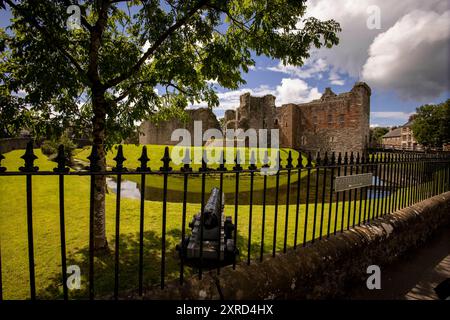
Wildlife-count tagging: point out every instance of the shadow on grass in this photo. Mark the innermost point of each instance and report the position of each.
(128, 266)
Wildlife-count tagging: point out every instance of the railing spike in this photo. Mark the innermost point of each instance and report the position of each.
(346, 158)
(222, 166)
(143, 159)
(318, 159)
(333, 158)
(289, 160)
(186, 161)
(237, 161)
(2, 157)
(29, 157)
(339, 158)
(166, 161)
(204, 166)
(309, 163)
(94, 158)
(252, 165)
(119, 159)
(325, 159)
(61, 160)
(300, 160)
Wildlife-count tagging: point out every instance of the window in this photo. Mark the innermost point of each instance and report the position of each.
(341, 119)
(332, 139)
(330, 119)
(303, 140)
(315, 120)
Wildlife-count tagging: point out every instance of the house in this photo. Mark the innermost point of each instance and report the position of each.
(401, 138)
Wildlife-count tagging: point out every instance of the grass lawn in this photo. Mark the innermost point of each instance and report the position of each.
(13, 230)
(156, 152)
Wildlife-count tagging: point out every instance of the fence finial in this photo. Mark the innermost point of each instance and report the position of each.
(204, 166)
(325, 159)
(289, 161)
(333, 158)
(346, 158)
(352, 157)
(29, 158)
(300, 160)
(143, 159)
(252, 165)
(94, 159)
(357, 158)
(119, 159)
(166, 161)
(61, 160)
(222, 162)
(309, 163)
(186, 161)
(265, 160)
(237, 161)
(2, 169)
(318, 159)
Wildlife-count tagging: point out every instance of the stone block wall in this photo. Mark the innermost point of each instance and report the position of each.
(323, 270)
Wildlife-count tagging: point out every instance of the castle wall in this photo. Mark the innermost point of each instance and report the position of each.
(333, 123)
(160, 133)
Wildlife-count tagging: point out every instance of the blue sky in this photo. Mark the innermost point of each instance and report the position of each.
(404, 58)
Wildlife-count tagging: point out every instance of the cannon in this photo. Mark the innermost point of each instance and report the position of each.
(217, 237)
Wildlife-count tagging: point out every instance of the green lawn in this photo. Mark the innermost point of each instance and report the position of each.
(13, 230)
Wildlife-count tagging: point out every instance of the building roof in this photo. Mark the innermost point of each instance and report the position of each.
(393, 133)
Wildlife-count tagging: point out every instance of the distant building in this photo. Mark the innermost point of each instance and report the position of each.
(393, 139)
(401, 138)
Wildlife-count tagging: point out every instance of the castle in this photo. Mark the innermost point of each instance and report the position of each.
(333, 123)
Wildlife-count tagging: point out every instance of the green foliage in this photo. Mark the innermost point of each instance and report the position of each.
(377, 133)
(142, 57)
(431, 125)
(50, 147)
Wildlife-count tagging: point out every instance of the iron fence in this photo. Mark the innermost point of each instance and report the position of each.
(311, 202)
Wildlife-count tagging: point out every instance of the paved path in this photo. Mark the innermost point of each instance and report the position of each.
(414, 276)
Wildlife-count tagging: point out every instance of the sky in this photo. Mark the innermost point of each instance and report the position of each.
(401, 49)
(404, 59)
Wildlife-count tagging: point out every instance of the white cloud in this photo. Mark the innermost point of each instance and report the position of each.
(356, 38)
(374, 125)
(295, 91)
(310, 69)
(335, 79)
(412, 57)
(393, 115)
(289, 91)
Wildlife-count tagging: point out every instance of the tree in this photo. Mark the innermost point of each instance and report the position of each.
(376, 135)
(130, 60)
(431, 126)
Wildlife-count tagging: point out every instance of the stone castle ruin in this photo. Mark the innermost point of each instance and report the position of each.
(335, 122)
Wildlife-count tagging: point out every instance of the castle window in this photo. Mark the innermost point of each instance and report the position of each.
(341, 119)
(330, 119)
(332, 139)
(303, 140)
(315, 120)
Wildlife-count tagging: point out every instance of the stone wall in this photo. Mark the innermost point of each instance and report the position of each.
(336, 123)
(160, 133)
(325, 269)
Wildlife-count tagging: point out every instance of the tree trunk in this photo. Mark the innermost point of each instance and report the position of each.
(98, 133)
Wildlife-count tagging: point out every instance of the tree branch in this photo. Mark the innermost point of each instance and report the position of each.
(49, 38)
(155, 46)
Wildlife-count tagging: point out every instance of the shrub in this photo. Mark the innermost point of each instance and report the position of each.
(50, 147)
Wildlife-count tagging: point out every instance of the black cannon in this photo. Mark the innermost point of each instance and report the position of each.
(217, 237)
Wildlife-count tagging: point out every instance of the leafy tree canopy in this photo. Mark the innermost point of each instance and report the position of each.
(141, 59)
(431, 126)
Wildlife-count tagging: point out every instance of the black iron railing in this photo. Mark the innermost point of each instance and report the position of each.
(400, 179)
